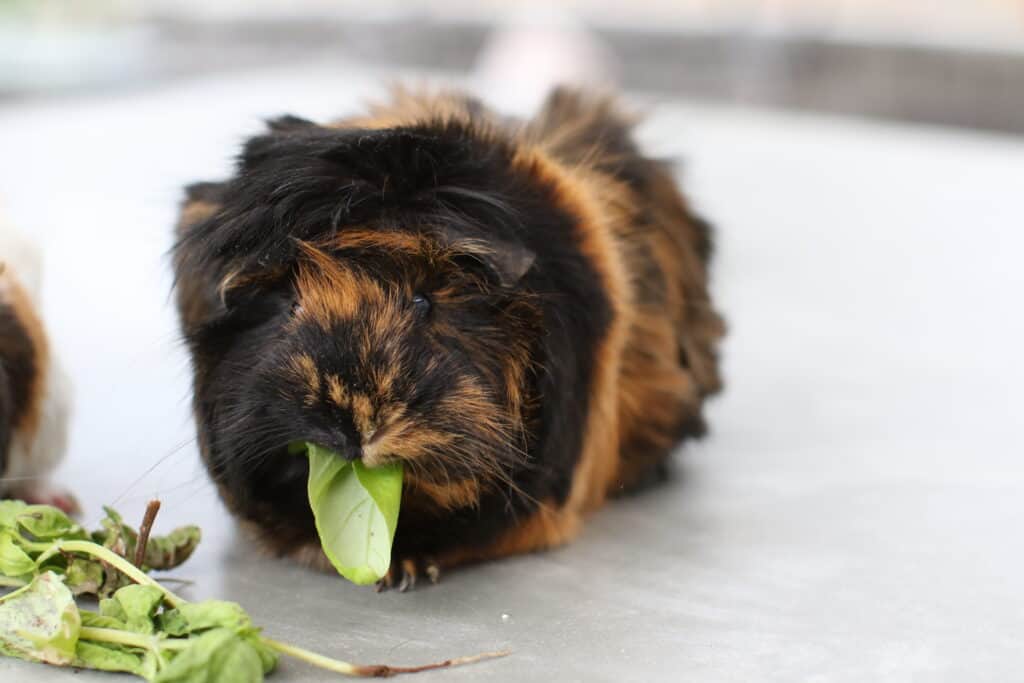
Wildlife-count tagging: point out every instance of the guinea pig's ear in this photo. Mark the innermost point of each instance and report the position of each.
(278, 140)
(196, 286)
(202, 200)
(287, 122)
(508, 260)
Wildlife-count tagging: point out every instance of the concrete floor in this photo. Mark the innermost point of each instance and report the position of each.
(855, 515)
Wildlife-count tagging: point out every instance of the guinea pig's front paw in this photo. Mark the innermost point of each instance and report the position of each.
(404, 573)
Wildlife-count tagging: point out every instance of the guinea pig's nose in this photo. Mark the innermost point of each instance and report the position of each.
(349, 449)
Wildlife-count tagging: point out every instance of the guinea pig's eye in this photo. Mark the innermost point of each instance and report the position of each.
(296, 307)
(421, 304)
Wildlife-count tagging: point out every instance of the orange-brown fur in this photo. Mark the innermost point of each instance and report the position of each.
(639, 387)
(327, 292)
(638, 381)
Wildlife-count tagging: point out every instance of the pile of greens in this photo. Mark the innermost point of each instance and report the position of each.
(132, 633)
(140, 627)
(39, 538)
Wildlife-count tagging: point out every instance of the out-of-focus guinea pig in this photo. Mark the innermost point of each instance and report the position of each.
(518, 311)
(34, 391)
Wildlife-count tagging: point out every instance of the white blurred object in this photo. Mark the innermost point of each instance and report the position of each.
(34, 451)
(49, 45)
(22, 257)
(538, 49)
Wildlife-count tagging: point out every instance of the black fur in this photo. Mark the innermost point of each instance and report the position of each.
(304, 182)
(6, 419)
(17, 371)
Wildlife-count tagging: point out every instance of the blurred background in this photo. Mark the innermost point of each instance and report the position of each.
(958, 62)
(855, 513)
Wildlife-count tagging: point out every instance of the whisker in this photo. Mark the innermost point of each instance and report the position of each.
(160, 461)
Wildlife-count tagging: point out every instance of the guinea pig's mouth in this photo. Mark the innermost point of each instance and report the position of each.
(372, 454)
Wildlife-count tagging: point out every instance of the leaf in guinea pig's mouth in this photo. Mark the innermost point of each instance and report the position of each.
(356, 512)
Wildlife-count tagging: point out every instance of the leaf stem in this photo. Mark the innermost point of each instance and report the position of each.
(15, 593)
(370, 670)
(32, 546)
(144, 529)
(313, 658)
(113, 559)
(130, 639)
(112, 635)
(9, 582)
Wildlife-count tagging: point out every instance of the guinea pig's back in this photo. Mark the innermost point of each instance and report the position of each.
(669, 361)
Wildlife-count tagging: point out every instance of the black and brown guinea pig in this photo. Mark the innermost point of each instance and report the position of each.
(34, 391)
(516, 310)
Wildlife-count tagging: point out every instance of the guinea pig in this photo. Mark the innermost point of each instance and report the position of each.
(34, 391)
(516, 310)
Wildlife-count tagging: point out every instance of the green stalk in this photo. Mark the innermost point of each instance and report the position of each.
(15, 593)
(8, 582)
(113, 559)
(32, 546)
(129, 639)
(313, 658)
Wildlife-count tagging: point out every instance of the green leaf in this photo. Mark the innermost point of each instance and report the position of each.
(9, 511)
(135, 606)
(356, 512)
(46, 522)
(111, 609)
(107, 657)
(167, 552)
(14, 562)
(199, 618)
(268, 656)
(94, 620)
(217, 656)
(193, 617)
(40, 622)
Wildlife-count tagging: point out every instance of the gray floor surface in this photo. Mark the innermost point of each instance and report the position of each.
(855, 515)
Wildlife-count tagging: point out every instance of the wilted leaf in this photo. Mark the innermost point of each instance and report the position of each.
(40, 622)
(167, 552)
(83, 576)
(356, 512)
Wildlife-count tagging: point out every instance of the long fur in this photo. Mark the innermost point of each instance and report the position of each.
(516, 310)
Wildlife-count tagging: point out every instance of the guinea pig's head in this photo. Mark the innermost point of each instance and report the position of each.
(363, 290)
